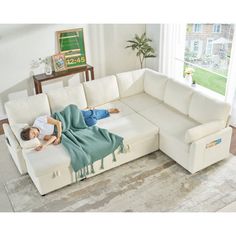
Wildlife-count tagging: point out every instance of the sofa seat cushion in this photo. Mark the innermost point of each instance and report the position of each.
(132, 128)
(124, 111)
(168, 119)
(49, 160)
(170, 122)
(141, 101)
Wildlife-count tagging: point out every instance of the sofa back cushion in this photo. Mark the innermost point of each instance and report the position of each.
(178, 95)
(155, 83)
(26, 110)
(101, 91)
(205, 109)
(130, 83)
(60, 98)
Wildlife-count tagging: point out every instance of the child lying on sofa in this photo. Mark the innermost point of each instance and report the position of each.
(43, 127)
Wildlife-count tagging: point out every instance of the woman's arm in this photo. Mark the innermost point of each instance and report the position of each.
(50, 140)
(57, 123)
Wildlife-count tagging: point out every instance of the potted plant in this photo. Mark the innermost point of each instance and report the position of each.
(142, 46)
(188, 74)
(194, 83)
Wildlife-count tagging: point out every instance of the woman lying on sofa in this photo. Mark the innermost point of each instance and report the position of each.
(43, 127)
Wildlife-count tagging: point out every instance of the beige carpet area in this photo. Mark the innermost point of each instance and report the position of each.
(153, 183)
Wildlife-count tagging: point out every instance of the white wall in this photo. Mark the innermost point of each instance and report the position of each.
(20, 44)
(153, 32)
(117, 58)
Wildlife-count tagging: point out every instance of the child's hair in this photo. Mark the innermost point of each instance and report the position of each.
(25, 134)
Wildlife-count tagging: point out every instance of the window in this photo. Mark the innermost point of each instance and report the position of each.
(197, 28)
(209, 46)
(209, 54)
(195, 46)
(217, 28)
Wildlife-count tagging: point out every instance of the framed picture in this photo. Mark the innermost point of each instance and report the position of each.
(59, 62)
(71, 44)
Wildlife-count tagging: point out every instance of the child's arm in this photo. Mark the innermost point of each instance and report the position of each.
(59, 129)
(49, 140)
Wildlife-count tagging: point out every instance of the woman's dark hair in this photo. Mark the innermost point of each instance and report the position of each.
(25, 134)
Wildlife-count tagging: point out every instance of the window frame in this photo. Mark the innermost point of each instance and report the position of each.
(198, 45)
(194, 29)
(215, 27)
(210, 38)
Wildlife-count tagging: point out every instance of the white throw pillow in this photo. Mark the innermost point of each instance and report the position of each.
(17, 128)
(101, 91)
(178, 95)
(130, 83)
(204, 109)
(203, 130)
(25, 110)
(155, 84)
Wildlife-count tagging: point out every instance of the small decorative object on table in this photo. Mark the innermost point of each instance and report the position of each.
(59, 62)
(48, 66)
(188, 75)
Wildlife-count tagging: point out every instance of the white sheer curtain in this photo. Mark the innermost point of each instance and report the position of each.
(172, 46)
(230, 94)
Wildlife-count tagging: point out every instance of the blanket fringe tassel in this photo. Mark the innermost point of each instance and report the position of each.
(76, 176)
(81, 173)
(102, 164)
(124, 148)
(114, 157)
(87, 170)
(92, 169)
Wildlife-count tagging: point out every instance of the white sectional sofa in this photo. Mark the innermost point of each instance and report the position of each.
(157, 112)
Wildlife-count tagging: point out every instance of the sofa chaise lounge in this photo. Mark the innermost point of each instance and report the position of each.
(157, 112)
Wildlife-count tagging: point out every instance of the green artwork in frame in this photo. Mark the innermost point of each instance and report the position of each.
(71, 44)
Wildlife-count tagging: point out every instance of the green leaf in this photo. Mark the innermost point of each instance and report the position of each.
(143, 37)
(131, 41)
(149, 56)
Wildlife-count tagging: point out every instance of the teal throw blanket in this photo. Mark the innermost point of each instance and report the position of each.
(84, 144)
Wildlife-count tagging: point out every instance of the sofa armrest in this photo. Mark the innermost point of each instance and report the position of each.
(10, 137)
(203, 130)
(210, 149)
(17, 128)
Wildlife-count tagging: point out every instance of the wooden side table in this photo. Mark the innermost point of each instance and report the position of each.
(38, 79)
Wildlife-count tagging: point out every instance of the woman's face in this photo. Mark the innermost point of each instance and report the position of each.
(34, 133)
